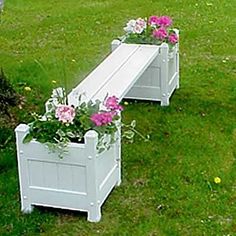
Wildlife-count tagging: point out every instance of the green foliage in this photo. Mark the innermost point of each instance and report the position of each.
(56, 133)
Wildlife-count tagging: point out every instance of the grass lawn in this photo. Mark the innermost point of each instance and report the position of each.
(168, 183)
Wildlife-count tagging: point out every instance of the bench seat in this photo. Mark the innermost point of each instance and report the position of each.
(116, 74)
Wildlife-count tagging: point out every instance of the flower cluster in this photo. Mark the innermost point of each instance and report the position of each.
(112, 103)
(136, 26)
(154, 30)
(63, 123)
(65, 113)
(106, 117)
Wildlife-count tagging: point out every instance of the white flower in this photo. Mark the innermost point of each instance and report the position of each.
(138, 29)
(130, 26)
(136, 26)
(142, 23)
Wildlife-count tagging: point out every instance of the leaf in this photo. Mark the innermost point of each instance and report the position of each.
(100, 150)
(60, 133)
(70, 134)
(133, 124)
(27, 138)
(129, 134)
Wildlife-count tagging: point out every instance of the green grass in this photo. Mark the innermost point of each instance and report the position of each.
(167, 186)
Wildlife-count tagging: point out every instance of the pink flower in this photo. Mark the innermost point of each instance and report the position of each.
(164, 21)
(65, 113)
(173, 38)
(136, 26)
(103, 118)
(113, 104)
(153, 20)
(141, 22)
(140, 26)
(160, 33)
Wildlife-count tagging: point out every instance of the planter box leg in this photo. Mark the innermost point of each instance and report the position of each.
(164, 75)
(94, 214)
(177, 60)
(119, 177)
(118, 156)
(94, 208)
(27, 209)
(165, 101)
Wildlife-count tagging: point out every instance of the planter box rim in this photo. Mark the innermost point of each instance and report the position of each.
(90, 133)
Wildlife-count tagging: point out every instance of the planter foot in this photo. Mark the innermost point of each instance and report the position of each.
(28, 209)
(94, 215)
(165, 102)
(118, 182)
(177, 85)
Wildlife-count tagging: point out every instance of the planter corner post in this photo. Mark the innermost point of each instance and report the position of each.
(21, 130)
(94, 206)
(165, 96)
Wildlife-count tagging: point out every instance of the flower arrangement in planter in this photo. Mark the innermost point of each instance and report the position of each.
(154, 30)
(161, 77)
(63, 123)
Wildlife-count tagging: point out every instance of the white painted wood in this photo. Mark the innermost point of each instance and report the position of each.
(82, 180)
(164, 75)
(116, 74)
(26, 205)
(115, 44)
(123, 80)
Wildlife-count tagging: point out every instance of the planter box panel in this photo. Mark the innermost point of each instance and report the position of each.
(58, 199)
(50, 174)
(172, 68)
(38, 151)
(108, 184)
(74, 180)
(145, 93)
(151, 77)
(105, 164)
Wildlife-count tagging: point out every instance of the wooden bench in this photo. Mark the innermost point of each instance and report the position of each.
(146, 72)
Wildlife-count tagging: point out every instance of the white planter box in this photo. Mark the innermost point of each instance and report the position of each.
(82, 180)
(160, 79)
